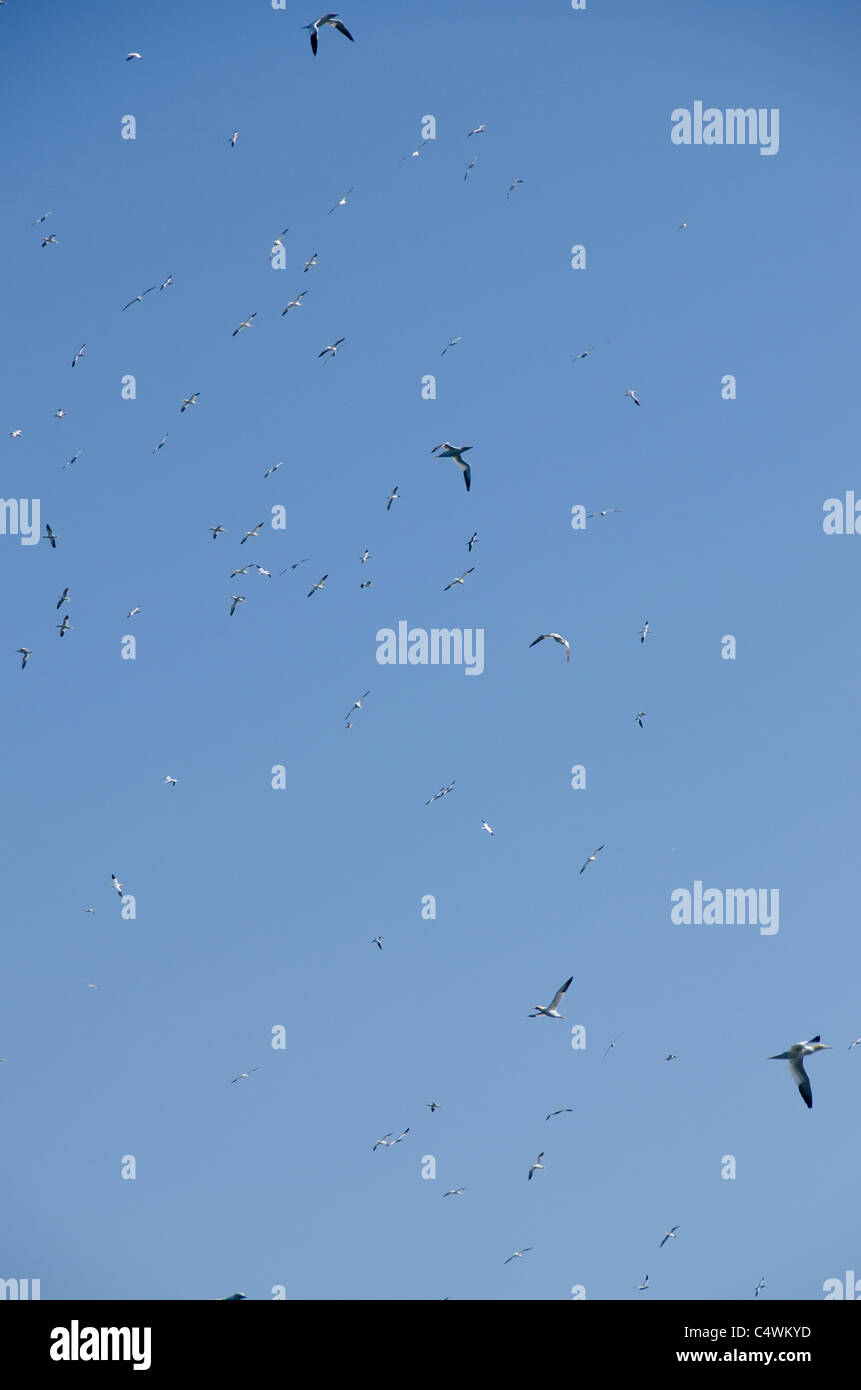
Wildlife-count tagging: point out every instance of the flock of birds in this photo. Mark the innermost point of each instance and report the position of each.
(794, 1055)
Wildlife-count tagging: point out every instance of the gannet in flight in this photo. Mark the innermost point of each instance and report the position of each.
(332, 348)
(470, 167)
(64, 598)
(460, 580)
(312, 261)
(237, 599)
(592, 858)
(187, 401)
(394, 496)
(342, 202)
(533, 1167)
(232, 1298)
(16, 434)
(296, 563)
(644, 631)
(454, 1192)
(566, 1110)
(681, 227)
(243, 570)
(479, 130)
(164, 284)
(556, 638)
(129, 56)
(273, 469)
(119, 887)
(330, 21)
(171, 781)
(364, 557)
(473, 540)
(161, 443)
(456, 452)
(488, 828)
(267, 574)
(760, 1285)
(357, 704)
(633, 396)
(321, 584)
(433, 1105)
(387, 1142)
(606, 512)
(233, 139)
(243, 1075)
(25, 653)
(73, 459)
(518, 1254)
(65, 626)
(50, 536)
(795, 1057)
(43, 218)
(671, 1057)
(218, 531)
(645, 1283)
(668, 1235)
(512, 187)
(855, 1044)
(443, 791)
(612, 1044)
(58, 414)
(50, 240)
(255, 531)
(294, 303)
(138, 299)
(79, 354)
(639, 717)
(584, 353)
(377, 941)
(450, 344)
(246, 323)
(551, 1010)
(134, 612)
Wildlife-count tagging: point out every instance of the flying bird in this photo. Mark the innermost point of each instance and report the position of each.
(233, 139)
(681, 227)
(454, 1192)
(296, 563)
(364, 557)
(606, 512)
(488, 828)
(312, 261)
(854, 1044)
(367, 584)
(217, 531)
(255, 531)
(43, 218)
(50, 240)
(119, 887)
(377, 941)
(551, 1010)
(456, 452)
(592, 858)
(25, 653)
(138, 299)
(566, 1110)
(332, 348)
(170, 781)
(512, 187)
(73, 459)
(393, 496)
(612, 1044)
(161, 443)
(795, 1057)
(668, 1235)
(237, 599)
(479, 130)
(433, 1105)
(533, 1167)
(387, 1142)
(443, 791)
(584, 353)
(65, 626)
(243, 1076)
(134, 612)
(556, 638)
(473, 540)
(273, 469)
(470, 167)
(342, 202)
(246, 323)
(450, 344)
(16, 434)
(321, 584)
(294, 303)
(357, 704)
(671, 1057)
(129, 56)
(64, 598)
(518, 1254)
(188, 401)
(59, 414)
(164, 284)
(267, 574)
(330, 21)
(639, 717)
(460, 580)
(645, 1283)
(760, 1285)
(633, 396)
(79, 354)
(644, 632)
(50, 536)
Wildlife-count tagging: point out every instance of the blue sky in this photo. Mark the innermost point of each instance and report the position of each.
(255, 907)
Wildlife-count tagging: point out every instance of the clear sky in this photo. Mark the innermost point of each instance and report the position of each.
(256, 907)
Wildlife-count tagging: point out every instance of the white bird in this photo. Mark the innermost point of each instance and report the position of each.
(479, 130)
(606, 512)
(645, 1283)
(237, 599)
(59, 414)
(243, 1075)
(73, 459)
(233, 139)
(566, 1110)
(312, 261)
(273, 469)
(377, 941)
(164, 284)
(443, 791)
(387, 1142)
(473, 540)
(760, 1285)
(170, 781)
(533, 1167)
(668, 1235)
(414, 154)
(551, 1010)
(246, 323)
(592, 858)
(119, 887)
(394, 496)
(64, 598)
(188, 401)
(332, 348)
(93, 986)
(556, 638)
(342, 202)
(460, 580)
(671, 1057)
(364, 557)
(138, 299)
(633, 396)
(518, 1254)
(456, 452)
(129, 56)
(450, 344)
(855, 1044)
(639, 717)
(584, 353)
(357, 704)
(16, 434)
(267, 574)
(512, 187)
(454, 1192)
(278, 244)
(217, 531)
(255, 531)
(612, 1044)
(470, 167)
(681, 227)
(644, 631)
(65, 626)
(488, 828)
(795, 1057)
(50, 240)
(294, 303)
(50, 536)
(367, 584)
(433, 1105)
(25, 653)
(330, 21)
(161, 443)
(134, 612)
(321, 584)
(43, 218)
(79, 354)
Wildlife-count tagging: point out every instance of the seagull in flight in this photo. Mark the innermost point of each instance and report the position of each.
(312, 261)
(25, 653)
(387, 1142)
(330, 21)
(533, 1167)
(488, 828)
(612, 1044)
(187, 401)
(65, 626)
(394, 496)
(321, 584)
(377, 941)
(456, 452)
(443, 791)
(566, 1110)
(237, 599)
(639, 717)
(584, 353)
(512, 187)
(592, 858)
(246, 323)
(138, 299)
(119, 887)
(460, 580)
(332, 348)
(633, 396)
(556, 638)
(473, 540)
(795, 1056)
(342, 202)
(50, 536)
(170, 781)
(79, 354)
(644, 631)
(254, 532)
(273, 469)
(294, 303)
(518, 1254)
(452, 343)
(357, 704)
(551, 1010)
(296, 563)
(217, 531)
(243, 1075)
